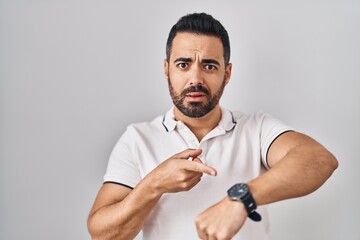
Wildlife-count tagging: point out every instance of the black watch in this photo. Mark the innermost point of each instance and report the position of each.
(241, 192)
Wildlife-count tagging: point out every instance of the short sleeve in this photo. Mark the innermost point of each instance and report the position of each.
(122, 166)
(271, 128)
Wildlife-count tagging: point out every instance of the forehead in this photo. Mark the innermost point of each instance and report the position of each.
(192, 45)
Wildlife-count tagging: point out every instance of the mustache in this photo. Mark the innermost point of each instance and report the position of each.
(197, 88)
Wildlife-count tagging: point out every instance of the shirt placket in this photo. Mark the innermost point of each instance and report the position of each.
(191, 140)
(188, 136)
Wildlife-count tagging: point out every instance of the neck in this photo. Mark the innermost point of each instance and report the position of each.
(200, 126)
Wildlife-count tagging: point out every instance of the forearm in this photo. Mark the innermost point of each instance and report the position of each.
(124, 219)
(303, 170)
(120, 213)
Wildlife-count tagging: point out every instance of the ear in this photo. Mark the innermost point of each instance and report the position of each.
(228, 73)
(166, 69)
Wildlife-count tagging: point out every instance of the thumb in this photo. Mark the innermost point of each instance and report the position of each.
(198, 160)
(186, 154)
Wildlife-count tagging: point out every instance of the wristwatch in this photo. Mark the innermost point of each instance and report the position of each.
(240, 192)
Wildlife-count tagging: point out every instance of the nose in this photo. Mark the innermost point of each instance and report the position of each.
(196, 76)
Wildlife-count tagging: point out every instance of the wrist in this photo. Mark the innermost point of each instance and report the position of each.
(153, 186)
(236, 207)
(241, 193)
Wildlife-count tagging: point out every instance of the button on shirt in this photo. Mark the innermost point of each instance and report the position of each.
(237, 148)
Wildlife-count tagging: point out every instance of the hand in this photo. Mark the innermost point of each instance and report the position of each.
(178, 173)
(222, 220)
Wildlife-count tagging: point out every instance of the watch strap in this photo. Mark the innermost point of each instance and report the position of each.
(250, 207)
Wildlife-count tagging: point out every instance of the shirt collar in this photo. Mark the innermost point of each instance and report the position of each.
(169, 121)
(227, 121)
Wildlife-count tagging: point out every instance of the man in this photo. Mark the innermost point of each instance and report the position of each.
(201, 171)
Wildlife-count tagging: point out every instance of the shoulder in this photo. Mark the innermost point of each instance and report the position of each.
(136, 133)
(255, 118)
(146, 126)
(144, 129)
(267, 126)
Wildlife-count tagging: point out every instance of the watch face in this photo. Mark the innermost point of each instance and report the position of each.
(238, 191)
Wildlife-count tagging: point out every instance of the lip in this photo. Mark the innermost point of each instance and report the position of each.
(195, 96)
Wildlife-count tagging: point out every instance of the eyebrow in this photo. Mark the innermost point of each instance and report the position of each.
(213, 61)
(205, 60)
(183, 59)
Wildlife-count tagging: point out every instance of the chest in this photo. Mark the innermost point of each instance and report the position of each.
(234, 155)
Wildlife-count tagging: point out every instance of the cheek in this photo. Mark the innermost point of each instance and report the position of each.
(176, 87)
(214, 88)
(177, 82)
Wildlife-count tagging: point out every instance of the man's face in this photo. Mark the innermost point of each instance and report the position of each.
(196, 73)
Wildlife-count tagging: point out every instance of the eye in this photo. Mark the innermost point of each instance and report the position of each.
(182, 65)
(210, 67)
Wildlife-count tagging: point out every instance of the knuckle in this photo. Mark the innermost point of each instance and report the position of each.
(211, 232)
(178, 177)
(222, 235)
(200, 224)
(202, 228)
(187, 150)
(184, 185)
(182, 178)
(197, 221)
(189, 186)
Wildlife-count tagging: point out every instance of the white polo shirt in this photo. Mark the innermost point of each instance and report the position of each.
(236, 148)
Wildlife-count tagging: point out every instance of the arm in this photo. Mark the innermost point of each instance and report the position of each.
(298, 166)
(119, 212)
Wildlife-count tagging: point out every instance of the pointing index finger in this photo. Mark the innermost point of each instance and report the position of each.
(201, 168)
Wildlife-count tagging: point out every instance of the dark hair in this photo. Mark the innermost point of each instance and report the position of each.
(200, 23)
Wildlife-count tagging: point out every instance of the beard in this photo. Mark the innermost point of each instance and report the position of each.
(196, 109)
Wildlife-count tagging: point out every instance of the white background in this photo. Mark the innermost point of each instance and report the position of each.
(74, 73)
